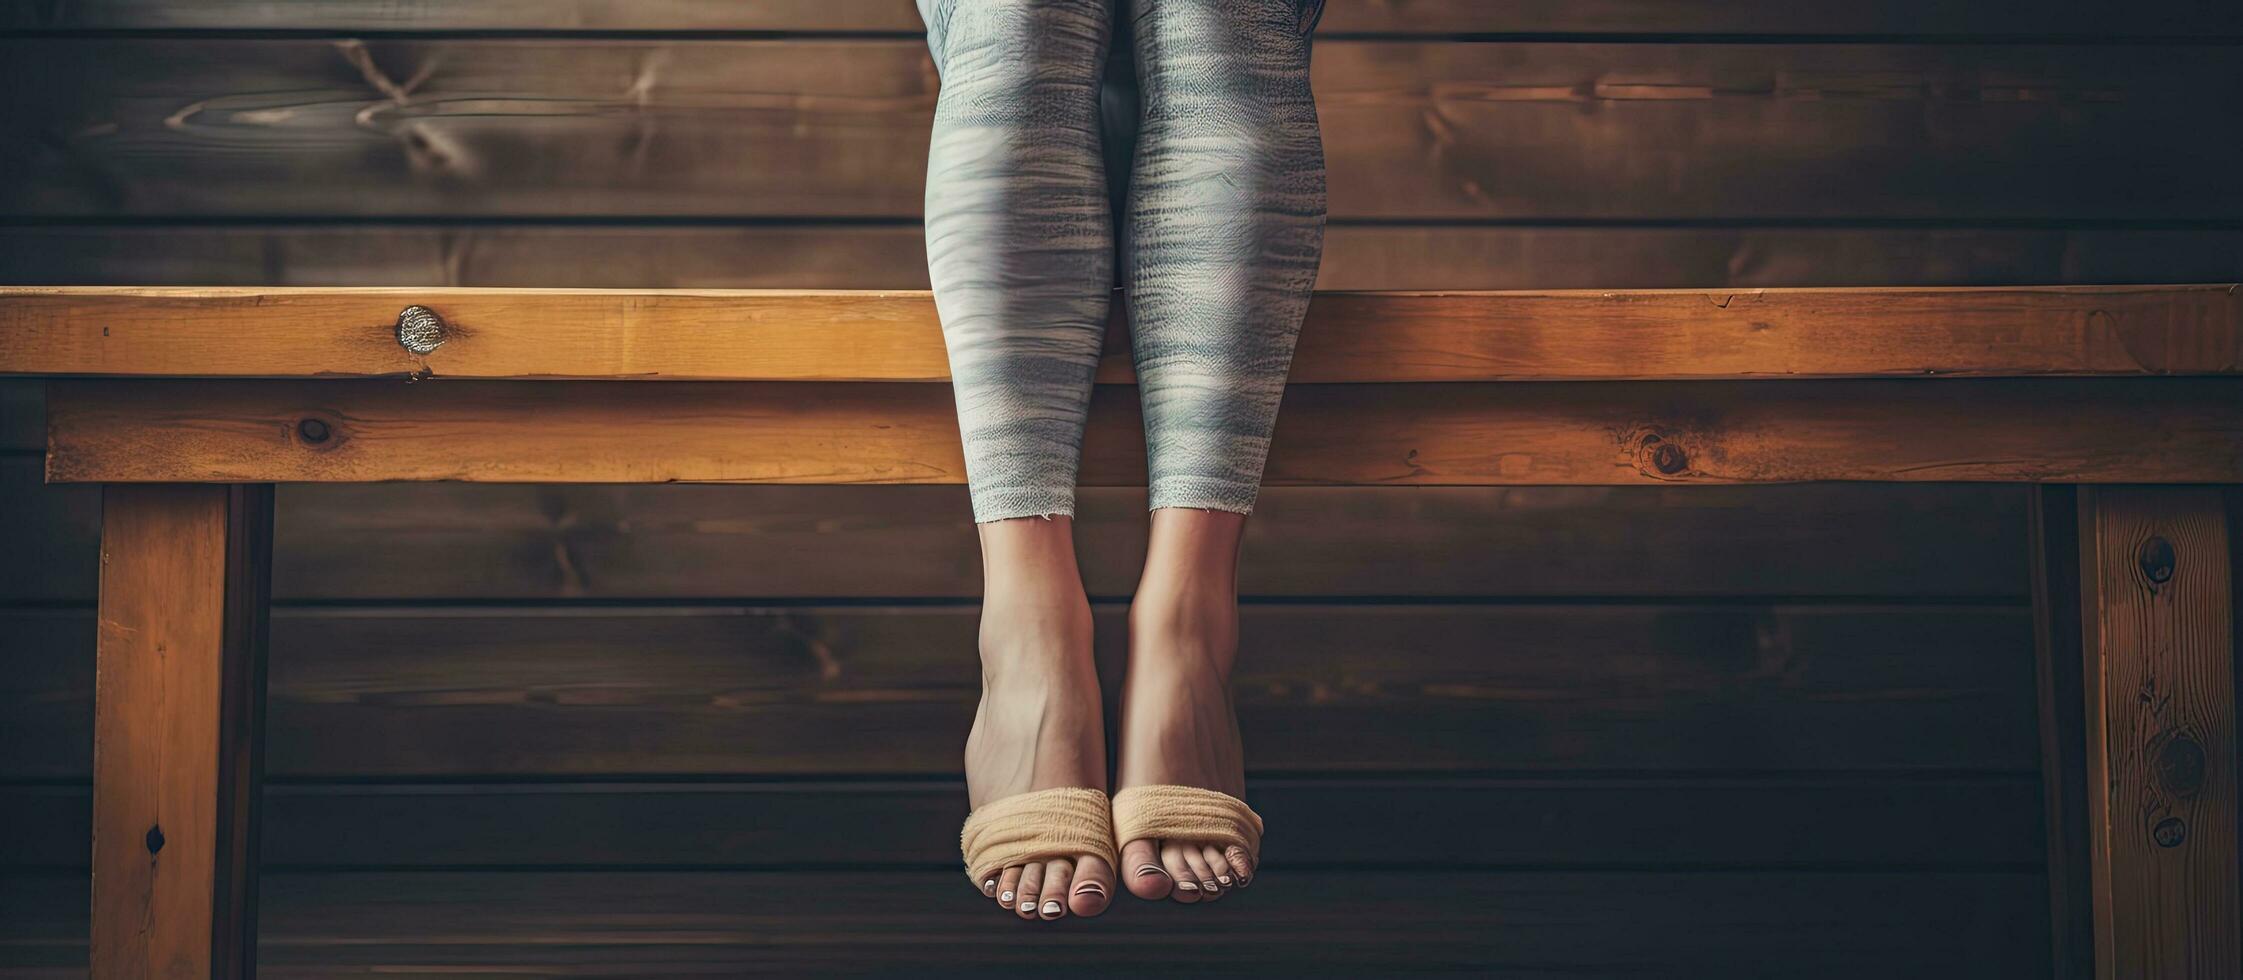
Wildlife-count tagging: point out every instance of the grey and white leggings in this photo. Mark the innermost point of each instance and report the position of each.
(1189, 125)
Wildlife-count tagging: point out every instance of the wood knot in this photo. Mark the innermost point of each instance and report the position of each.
(155, 839)
(420, 330)
(2180, 766)
(2169, 832)
(313, 431)
(2156, 559)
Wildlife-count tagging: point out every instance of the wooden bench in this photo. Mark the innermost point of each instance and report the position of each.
(2124, 405)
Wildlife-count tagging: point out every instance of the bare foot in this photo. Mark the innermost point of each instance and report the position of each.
(1039, 725)
(1179, 727)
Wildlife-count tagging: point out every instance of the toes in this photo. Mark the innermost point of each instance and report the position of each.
(1222, 868)
(1094, 886)
(1147, 879)
(1031, 885)
(1059, 873)
(1187, 882)
(1208, 889)
(1008, 885)
(1242, 865)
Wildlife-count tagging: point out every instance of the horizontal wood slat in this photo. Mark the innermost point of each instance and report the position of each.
(1452, 823)
(363, 542)
(870, 256)
(2093, 18)
(1349, 337)
(1297, 923)
(1430, 131)
(891, 689)
(2178, 430)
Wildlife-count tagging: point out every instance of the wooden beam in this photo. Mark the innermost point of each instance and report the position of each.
(2055, 556)
(741, 335)
(178, 686)
(2178, 430)
(2159, 630)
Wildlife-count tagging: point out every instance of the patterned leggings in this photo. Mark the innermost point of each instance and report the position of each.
(1189, 125)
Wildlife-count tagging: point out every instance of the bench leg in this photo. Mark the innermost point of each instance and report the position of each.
(178, 692)
(2157, 611)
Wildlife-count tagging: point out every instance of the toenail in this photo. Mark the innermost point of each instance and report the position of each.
(1090, 888)
(1187, 886)
(1006, 897)
(1051, 908)
(989, 886)
(1150, 870)
(1028, 906)
(1225, 879)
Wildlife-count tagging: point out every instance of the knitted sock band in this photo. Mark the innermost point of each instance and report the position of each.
(1187, 813)
(1048, 823)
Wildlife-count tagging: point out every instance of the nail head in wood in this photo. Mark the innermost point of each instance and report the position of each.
(313, 431)
(420, 330)
(2156, 558)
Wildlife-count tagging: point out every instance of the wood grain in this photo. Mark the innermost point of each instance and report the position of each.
(870, 689)
(1349, 337)
(1458, 823)
(2094, 20)
(175, 729)
(610, 254)
(2160, 634)
(2086, 431)
(653, 924)
(1416, 131)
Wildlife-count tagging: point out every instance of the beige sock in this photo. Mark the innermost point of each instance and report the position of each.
(1035, 826)
(1187, 813)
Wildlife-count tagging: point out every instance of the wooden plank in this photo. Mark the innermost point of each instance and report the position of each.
(1461, 824)
(892, 256)
(2089, 18)
(2159, 629)
(530, 542)
(1434, 130)
(1589, 434)
(2054, 517)
(1349, 337)
(175, 773)
(870, 689)
(1304, 922)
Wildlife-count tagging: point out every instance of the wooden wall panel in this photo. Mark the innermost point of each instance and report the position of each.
(892, 256)
(836, 128)
(2087, 18)
(814, 689)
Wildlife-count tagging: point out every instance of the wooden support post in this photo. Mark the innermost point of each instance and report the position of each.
(178, 692)
(2062, 704)
(2158, 628)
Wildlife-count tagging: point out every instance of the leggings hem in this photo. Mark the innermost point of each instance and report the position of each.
(1006, 503)
(1203, 493)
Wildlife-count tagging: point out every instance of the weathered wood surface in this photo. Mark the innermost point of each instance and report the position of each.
(2180, 430)
(809, 689)
(405, 542)
(1349, 337)
(2159, 618)
(2090, 19)
(1414, 131)
(179, 679)
(816, 255)
(1836, 822)
(1527, 923)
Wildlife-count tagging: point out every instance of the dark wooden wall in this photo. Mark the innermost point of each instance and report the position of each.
(652, 730)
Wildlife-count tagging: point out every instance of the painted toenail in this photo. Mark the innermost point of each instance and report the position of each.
(1006, 897)
(1090, 888)
(1051, 908)
(989, 886)
(1187, 886)
(1225, 879)
(1151, 870)
(1029, 907)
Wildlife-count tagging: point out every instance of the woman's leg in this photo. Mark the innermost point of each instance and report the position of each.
(1019, 247)
(1227, 215)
